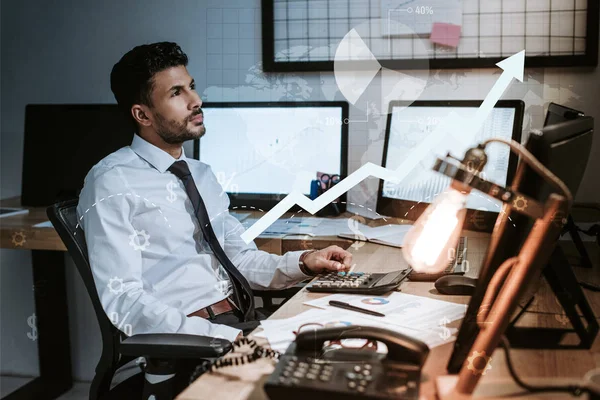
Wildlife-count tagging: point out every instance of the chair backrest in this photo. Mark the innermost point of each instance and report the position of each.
(63, 216)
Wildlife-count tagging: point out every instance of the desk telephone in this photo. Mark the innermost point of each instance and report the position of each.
(305, 371)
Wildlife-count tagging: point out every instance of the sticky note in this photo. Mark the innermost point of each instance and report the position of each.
(445, 34)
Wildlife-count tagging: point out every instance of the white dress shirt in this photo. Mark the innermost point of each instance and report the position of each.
(150, 263)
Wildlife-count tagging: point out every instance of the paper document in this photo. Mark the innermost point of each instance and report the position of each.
(10, 211)
(311, 226)
(280, 332)
(45, 224)
(390, 235)
(403, 309)
(410, 17)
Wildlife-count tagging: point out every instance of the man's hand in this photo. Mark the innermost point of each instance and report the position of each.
(332, 258)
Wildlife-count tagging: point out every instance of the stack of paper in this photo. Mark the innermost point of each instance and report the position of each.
(419, 317)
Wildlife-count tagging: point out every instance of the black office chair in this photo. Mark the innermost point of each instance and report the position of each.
(160, 350)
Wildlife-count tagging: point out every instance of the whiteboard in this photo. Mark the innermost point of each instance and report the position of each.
(303, 35)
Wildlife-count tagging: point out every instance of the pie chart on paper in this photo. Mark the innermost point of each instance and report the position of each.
(355, 68)
(375, 301)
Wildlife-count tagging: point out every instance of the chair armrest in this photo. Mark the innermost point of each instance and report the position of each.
(174, 346)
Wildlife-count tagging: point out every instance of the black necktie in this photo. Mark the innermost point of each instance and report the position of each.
(241, 288)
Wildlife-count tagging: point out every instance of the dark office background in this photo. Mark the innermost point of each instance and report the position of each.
(63, 51)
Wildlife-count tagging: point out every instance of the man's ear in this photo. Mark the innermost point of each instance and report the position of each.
(140, 114)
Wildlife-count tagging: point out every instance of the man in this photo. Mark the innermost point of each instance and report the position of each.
(165, 253)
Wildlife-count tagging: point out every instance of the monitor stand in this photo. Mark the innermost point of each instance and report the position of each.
(572, 229)
(562, 280)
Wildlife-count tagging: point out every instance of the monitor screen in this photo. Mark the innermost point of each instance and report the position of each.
(408, 126)
(62, 143)
(261, 151)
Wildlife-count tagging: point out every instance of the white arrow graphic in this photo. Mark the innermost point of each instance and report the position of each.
(513, 68)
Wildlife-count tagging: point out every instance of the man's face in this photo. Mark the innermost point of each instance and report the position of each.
(175, 112)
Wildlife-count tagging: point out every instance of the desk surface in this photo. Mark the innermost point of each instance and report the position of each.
(245, 382)
(18, 231)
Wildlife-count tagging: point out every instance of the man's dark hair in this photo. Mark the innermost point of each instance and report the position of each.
(131, 79)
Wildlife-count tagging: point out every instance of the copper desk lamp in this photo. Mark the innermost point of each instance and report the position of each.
(437, 231)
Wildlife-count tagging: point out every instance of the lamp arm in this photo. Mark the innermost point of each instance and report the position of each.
(456, 170)
(492, 290)
(535, 165)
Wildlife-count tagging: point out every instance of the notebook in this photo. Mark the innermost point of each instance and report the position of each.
(389, 235)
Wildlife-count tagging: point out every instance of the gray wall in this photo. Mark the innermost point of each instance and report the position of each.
(63, 51)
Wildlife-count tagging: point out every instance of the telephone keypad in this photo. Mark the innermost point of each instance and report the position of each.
(359, 378)
(359, 382)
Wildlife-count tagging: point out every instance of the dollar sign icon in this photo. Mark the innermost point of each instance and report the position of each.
(353, 225)
(445, 334)
(32, 322)
(172, 196)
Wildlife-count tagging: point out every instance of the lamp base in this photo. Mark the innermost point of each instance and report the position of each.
(444, 386)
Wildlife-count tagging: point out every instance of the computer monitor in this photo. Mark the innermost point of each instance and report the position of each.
(558, 113)
(409, 123)
(62, 143)
(563, 148)
(261, 151)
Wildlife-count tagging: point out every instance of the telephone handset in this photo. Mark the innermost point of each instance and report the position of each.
(305, 371)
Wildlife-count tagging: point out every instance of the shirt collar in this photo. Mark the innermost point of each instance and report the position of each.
(158, 158)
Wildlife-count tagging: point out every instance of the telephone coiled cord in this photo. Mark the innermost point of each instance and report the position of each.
(257, 353)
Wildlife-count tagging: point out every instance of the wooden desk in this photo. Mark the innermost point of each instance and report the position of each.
(245, 382)
(50, 296)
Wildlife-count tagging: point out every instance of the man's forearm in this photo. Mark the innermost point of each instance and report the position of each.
(270, 271)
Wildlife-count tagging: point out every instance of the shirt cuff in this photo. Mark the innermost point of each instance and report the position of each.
(293, 266)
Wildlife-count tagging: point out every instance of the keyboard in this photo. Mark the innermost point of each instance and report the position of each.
(456, 265)
(358, 282)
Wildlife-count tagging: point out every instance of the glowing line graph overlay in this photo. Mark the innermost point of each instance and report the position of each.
(513, 68)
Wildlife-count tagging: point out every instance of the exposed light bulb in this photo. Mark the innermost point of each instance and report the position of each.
(427, 245)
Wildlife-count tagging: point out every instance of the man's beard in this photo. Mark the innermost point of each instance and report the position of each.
(174, 132)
